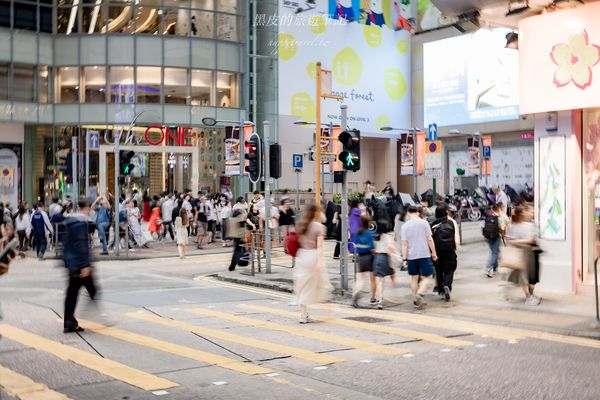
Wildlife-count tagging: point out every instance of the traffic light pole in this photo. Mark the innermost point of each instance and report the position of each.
(344, 244)
(318, 140)
(117, 239)
(74, 160)
(267, 143)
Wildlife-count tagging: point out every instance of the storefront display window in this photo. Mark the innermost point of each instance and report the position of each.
(201, 88)
(176, 85)
(67, 85)
(122, 89)
(23, 82)
(591, 191)
(148, 84)
(226, 89)
(95, 84)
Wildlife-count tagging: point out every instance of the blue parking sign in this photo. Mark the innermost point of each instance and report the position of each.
(298, 161)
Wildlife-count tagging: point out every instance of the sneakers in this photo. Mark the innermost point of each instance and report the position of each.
(305, 319)
(446, 293)
(373, 300)
(418, 301)
(532, 300)
(489, 272)
(72, 329)
(355, 300)
(104, 253)
(380, 305)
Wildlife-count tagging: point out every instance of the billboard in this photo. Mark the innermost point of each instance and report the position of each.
(370, 66)
(471, 78)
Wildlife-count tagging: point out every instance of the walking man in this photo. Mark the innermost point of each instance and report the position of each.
(493, 230)
(167, 216)
(418, 250)
(77, 262)
(447, 241)
(40, 224)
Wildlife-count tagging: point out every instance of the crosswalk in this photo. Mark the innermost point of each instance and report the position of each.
(273, 324)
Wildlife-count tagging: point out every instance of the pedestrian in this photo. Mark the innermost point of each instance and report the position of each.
(337, 222)
(418, 250)
(23, 226)
(236, 228)
(155, 222)
(211, 217)
(494, 229)
(103, 220)
(167, 216)
(41, 226)
(253, 225)
(286, 219)
(311, 284)
(146, 209)
(242, 205)
(399, 220)
(388, 190)
(369, 191)
(55, 207)
(134, 217)
(502, 199)
(225, 212)
(522, 234)
(201, 221)
(272, 224)
(181, 231)
(77, 261)
(364, 247)
(354, 223)
(386, 255)
(446, 239)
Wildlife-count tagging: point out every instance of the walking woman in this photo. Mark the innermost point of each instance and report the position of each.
(311, 284)
(252, 226)
(364, 249)
(522, 234)
(23, 226)
(385, 254)
(181, 231)
(155, 222)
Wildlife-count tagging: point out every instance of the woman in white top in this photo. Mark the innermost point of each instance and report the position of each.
(386, 255)
(134, 216)
(181, 231)
(225, 212)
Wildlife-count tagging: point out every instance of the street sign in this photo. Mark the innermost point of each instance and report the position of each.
(433, 159)
(487, 152)
(328, 158)
(298, 161)
(94, 140)
(432, 132)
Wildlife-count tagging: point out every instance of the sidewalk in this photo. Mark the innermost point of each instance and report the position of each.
(475, 297)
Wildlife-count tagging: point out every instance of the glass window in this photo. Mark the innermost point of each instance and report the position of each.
(5, 14)
(227, 27)
(147, 17)
(230, 6)
(202, 24)
(91, 19)
(25, 16)
(122, 89)
(176, 85)
(177, 3)
(120, 18)
(201, 88)
(23, 82)
(67, 85)
(226, 89)
(67, 20)
(148, 84)
(43, 84)
(46, 19)
(203, 4)
(94, 84)
(3, 81)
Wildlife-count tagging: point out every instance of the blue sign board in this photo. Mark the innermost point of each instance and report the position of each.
(94, 140)
(432, 133)
(298, 161)
(487, 152)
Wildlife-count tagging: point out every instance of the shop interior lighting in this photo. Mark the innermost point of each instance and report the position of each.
(512, 40)
(515, 10)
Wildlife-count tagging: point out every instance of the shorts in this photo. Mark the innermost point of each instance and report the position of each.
(202, 228)
(381, 265)
(420, 266)
(212, 224)
(365, 262)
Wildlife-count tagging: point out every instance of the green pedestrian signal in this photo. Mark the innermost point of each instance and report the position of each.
(350, 155)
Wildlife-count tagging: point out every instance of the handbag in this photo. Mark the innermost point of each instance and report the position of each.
(512, 257)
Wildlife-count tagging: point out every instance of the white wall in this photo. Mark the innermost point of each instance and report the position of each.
(12, 132)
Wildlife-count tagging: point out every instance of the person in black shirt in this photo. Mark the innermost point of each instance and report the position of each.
(286, 218)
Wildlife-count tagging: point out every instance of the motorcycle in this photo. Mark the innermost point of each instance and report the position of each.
(466, 204)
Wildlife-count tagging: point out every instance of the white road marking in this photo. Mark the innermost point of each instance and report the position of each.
(366, 361)
(272, 375)
(321, 368)
(446, 350)
(409, 355)
(160, 392)
(219, 383)
(513, 341)
(481, 345)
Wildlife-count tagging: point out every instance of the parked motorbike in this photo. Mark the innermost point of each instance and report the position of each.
(466, 205)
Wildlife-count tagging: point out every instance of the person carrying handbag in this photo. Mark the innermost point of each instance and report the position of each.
(386, 257)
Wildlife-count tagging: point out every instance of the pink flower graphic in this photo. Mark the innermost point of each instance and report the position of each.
(575, 60)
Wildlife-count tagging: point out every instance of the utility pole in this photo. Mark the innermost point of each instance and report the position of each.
(75, 152)
(267, 142)
(318, 139)
(414, 146)
(344, 244)
(117, 239)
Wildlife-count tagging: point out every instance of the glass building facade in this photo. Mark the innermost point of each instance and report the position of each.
(71, 67)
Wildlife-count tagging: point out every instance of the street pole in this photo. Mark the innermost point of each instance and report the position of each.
(480, 146)
(318, 141)
(298, 171)
(87, 164)
(414, 137)
(344, 212)
(75, 177)
(267, 142)
(117, 239)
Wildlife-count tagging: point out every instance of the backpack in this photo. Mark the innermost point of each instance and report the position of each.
(443, 236)
(38, 225)
(491, 228)
(292, 244)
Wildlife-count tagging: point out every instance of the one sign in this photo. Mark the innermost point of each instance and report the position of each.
(487, 156)
(94, 140)
(420, 152)
(433, 159)
(487, 152)
(232, 151)
(432, 132)
(406, 154)
(298, 161)
(328, 158)
(326, 82)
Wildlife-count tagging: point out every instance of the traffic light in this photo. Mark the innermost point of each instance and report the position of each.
(275, 161)
(254, 156)
(125, 161)
(350, 155)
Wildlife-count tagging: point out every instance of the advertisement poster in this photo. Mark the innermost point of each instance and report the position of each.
(552, 187)
(420, 153)
(10, 173)
(477, 81)
(473, 154)
(370, 66)
(406, 154)
(232, 151)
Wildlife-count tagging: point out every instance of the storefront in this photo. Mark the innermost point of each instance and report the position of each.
(559, 71)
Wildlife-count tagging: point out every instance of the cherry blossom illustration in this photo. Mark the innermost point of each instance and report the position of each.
(575, 60)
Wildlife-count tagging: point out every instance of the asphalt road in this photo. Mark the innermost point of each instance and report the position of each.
(163, 331)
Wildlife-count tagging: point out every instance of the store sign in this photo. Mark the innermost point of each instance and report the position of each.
(560, 60)
(180, 136)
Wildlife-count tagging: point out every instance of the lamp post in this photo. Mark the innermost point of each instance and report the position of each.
(413, 132)
(320, 170)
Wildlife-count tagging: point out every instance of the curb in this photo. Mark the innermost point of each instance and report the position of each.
(249, 281)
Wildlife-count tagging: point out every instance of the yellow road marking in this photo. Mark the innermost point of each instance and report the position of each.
(407, 333)
(325, 337)
(193, 354)
(247, 341)
(107, 367)
(22, 387)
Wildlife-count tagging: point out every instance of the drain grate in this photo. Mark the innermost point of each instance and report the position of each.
(368, 320)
